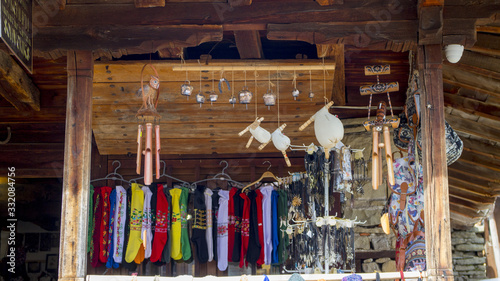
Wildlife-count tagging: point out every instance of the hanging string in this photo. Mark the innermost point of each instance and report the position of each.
(324, 82)
(213, 86)
(390, 104)
(278, 90)
(245, 78)
(310, 85)
(294, 81)
(231, 100)
(370, 107)
(256, 95)
(269, 80)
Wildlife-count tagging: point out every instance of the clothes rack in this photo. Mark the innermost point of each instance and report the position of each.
(164, 174)
(284, 277)
(114, 175)
(220, 176)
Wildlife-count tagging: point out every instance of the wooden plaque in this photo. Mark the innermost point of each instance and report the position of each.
(377, 69)
(379, 88)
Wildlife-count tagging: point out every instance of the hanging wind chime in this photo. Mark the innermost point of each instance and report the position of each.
(380, 124)
(147, 112)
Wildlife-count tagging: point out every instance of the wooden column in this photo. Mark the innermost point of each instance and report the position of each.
(77, 151)
(437, 213)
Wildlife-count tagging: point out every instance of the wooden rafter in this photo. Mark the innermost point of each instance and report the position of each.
(249, 44)
(472, 106)
(430, 24)
(462, 78)
(335, 52)
(469, 168)
(15, 85)
(474, 128)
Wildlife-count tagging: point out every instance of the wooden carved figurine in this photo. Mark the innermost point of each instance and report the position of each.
(260, 134)
(381, 124)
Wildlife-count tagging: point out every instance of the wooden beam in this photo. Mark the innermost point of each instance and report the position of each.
(488, 44)
(15, 85)
(460, 77)
(475, 170)
(335, 52)
(488, 29)
(359, 34)
(437, 223)
(77, 151)
(472, 106)
(430, 29)
(238, 3)
(480, 147)
(249, 44)
(477, 63)
(149, 3)
(473, 128)
(489, 162)
(330, 2)
(116, 37)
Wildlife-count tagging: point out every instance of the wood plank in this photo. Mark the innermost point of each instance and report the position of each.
(488, 29)
(355, 34)
(248, 44)
(460, 221)
(127, 71)
(9, 115)
(474, 128)
(430, 24)
(111, 37)
(477, 171)
(485, 65)
(478, 206)
(192, 146)
(473, 214)
(16, 86)
(330, 2)
(74, 218)
(487, 44)
(209, 13)
(438, 239)
(149, 3)
(238, 3)
(115, 114)
(473, 187)
(125, 93)
(30, 133)
(473, 182)
(465, 194)
(335, 52)
(481, 147)
(481, 160)
(453, 73)
(471, 106)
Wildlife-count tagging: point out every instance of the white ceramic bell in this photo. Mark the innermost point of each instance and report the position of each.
(295, 93)
(200, 98)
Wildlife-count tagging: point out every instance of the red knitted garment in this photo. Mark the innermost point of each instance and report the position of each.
(258, 199)
(231, 224)
(104, 237)
(160, 237)
(245, 230)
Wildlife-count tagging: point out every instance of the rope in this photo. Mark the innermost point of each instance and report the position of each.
(278, 90)
(255, 77)
(390, 105)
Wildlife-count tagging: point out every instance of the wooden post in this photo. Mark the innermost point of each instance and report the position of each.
(77, 151)
(437, 213)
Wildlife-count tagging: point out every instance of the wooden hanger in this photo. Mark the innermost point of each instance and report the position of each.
(266, 174)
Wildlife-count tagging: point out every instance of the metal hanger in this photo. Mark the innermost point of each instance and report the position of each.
(266, 174)
(220, 176)
(114, 175)
(164, 174)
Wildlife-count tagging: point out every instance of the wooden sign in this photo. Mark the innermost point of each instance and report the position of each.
(16, 29)
(377, 69)
(379, 88)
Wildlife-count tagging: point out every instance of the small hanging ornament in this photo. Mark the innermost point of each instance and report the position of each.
(186, 89)
(232, 99)
(245, 95)
(311, 94)
(295, 91)
(281, 142)
(200, 98)
(260, 134)
(213, 97)
(269, 99)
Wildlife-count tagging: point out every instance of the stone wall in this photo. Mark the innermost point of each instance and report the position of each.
(468, 254)
(373, 241)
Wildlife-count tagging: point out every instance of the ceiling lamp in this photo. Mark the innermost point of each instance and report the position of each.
(454, 52)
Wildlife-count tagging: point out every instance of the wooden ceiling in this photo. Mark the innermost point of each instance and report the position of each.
(371, 31)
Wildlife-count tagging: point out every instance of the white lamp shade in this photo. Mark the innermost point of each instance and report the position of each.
(328, 129)
(260, 134)
(280, 141)
(453, 52)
